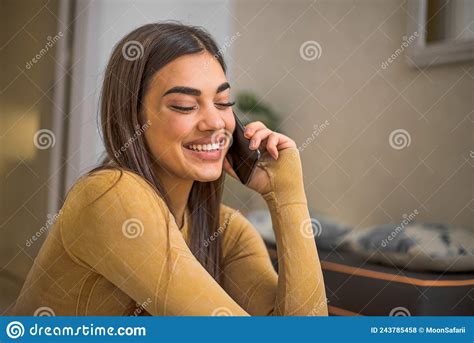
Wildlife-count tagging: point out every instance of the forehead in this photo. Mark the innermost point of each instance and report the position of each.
(201, 71)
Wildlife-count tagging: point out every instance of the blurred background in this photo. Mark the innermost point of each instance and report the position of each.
(377, 94)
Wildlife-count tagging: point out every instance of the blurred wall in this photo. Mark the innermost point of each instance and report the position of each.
(351, 171)
(99, 27)
(26, 106)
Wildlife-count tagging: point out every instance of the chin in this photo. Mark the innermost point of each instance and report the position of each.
(209, 176)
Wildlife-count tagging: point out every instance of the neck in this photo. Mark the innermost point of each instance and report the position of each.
(178, 191)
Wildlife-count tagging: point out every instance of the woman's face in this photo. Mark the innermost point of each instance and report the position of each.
(186, 105)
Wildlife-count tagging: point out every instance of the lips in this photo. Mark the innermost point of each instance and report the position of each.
(213, 155)
(204, 141)
(208, 148)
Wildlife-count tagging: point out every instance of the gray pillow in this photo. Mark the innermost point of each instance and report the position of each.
(417, 246)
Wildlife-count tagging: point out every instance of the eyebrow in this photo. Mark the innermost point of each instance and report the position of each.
(194, 91)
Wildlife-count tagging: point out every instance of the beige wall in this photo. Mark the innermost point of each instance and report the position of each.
(25, 107)
(351, 171)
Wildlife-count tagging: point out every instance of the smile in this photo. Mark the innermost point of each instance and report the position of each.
(208, 152)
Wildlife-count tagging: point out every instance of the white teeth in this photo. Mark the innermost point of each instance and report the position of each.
(205, 147)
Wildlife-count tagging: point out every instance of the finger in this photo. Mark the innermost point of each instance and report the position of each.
(258, 137)
(252, 127)
(272, 144)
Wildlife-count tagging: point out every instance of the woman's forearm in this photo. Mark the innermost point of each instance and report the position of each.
(300, 288)
(300, 282)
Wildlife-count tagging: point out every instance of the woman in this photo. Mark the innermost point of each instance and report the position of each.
(146, 233)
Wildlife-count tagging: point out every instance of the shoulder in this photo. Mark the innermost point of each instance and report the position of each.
(102, 202)
(91, 187)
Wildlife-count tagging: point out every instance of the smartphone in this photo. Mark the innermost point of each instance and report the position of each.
(241, 158)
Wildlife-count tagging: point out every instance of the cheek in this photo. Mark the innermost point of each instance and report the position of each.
(229, 122)
(166, 135)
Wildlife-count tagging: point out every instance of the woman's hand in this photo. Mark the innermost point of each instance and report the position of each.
(269, 143)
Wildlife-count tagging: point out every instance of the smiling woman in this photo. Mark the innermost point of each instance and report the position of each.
(136, 231)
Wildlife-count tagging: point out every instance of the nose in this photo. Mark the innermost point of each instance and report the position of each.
(211, 120)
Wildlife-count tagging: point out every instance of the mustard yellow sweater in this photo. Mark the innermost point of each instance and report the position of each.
(117, 250)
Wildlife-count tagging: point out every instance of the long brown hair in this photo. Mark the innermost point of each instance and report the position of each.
(133, 63)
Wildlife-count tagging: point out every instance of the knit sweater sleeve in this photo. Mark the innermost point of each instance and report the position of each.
(249, 277)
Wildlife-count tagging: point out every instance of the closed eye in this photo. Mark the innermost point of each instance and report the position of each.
(227, 104)
(192, 108)
(183, 109)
